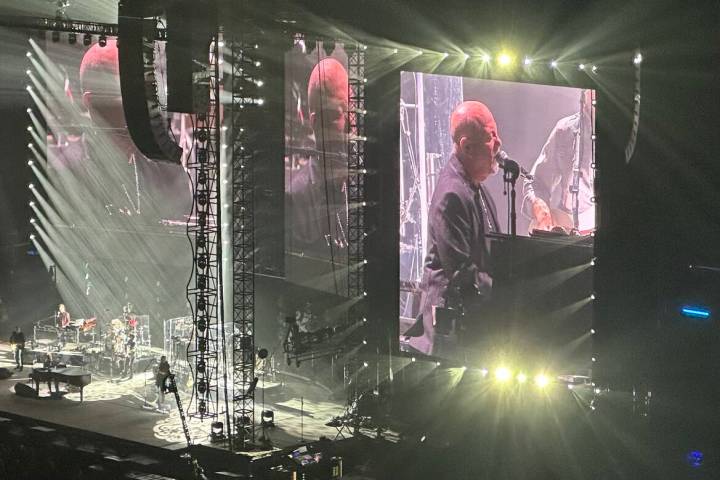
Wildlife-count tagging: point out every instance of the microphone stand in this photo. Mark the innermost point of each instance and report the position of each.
(511, 172)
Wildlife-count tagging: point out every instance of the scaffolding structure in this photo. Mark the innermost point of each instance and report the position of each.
(203, 229)
(244, 78)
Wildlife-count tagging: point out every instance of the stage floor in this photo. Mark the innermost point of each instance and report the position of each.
(301, 409)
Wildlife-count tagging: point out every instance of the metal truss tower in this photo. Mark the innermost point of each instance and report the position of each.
(244, 81)
(203, 231)
(356, 173)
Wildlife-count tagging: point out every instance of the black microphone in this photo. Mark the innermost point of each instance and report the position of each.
(508, 164)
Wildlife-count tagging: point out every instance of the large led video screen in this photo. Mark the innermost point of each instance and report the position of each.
(316, 171)
(457, 262)
(112, 221)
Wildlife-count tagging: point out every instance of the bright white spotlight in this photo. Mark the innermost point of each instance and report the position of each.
(32, 204)
(592, 331)
(521, 378)
(28, 72)
(259, 83)
(437, 364)
(29, 128)
(31, 186)
(28, 88)
(395, 50)
(592, 296)
(593, 69)
(412, 359)
(445, 54)
(485, 58)
(637, 60)
(484, 372)
(258, 63)
(30, 163)
(581, 66)
(465, 56)
(261, 101)
(32, 236)
(29, 110)
(541, 380)
(32, 220)
(502, 374)
(28, 54)
(504, 59)
(553, 64)
(221, 44)
(30, 145)
(527, 61)
(593, 359)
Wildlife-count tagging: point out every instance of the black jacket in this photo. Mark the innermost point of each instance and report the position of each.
(457, 264)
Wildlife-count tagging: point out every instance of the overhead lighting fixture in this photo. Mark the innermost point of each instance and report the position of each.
(87, 39)
(504, 59)
(637, 60)
(486, 58)
(72, 38)
(102, 41)
(521, 377)
(541, 380)
(581, 66)
(527, 61)
(503, 374)
(554, 64)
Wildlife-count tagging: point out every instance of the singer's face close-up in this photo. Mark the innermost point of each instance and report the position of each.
(479, 147)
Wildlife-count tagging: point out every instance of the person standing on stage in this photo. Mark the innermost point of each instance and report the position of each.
(163, 373)
(62, 322)
(17, 340)
(456, 275)
(129, 356)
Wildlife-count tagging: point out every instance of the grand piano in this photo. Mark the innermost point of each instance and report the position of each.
(75, 376)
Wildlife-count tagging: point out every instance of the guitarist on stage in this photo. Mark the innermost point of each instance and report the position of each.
(17, 341)
(561, 191)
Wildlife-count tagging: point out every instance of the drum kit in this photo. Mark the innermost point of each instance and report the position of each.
(112, 341)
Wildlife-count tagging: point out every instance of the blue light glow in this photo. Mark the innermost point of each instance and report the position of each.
(695, 312)
(695, 458)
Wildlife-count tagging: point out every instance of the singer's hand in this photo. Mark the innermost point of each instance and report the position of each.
(541, 212)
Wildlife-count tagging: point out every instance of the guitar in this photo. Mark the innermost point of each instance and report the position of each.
(564, 220)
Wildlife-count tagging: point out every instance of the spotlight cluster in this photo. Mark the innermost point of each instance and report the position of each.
(505, 375)
(507, 59)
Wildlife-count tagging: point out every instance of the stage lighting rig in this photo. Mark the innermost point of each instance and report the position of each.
(102, 41)
(87, 39)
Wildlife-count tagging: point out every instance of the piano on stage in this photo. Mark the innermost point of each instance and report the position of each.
(75, 376)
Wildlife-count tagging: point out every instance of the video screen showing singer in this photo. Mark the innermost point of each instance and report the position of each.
(456, 274)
